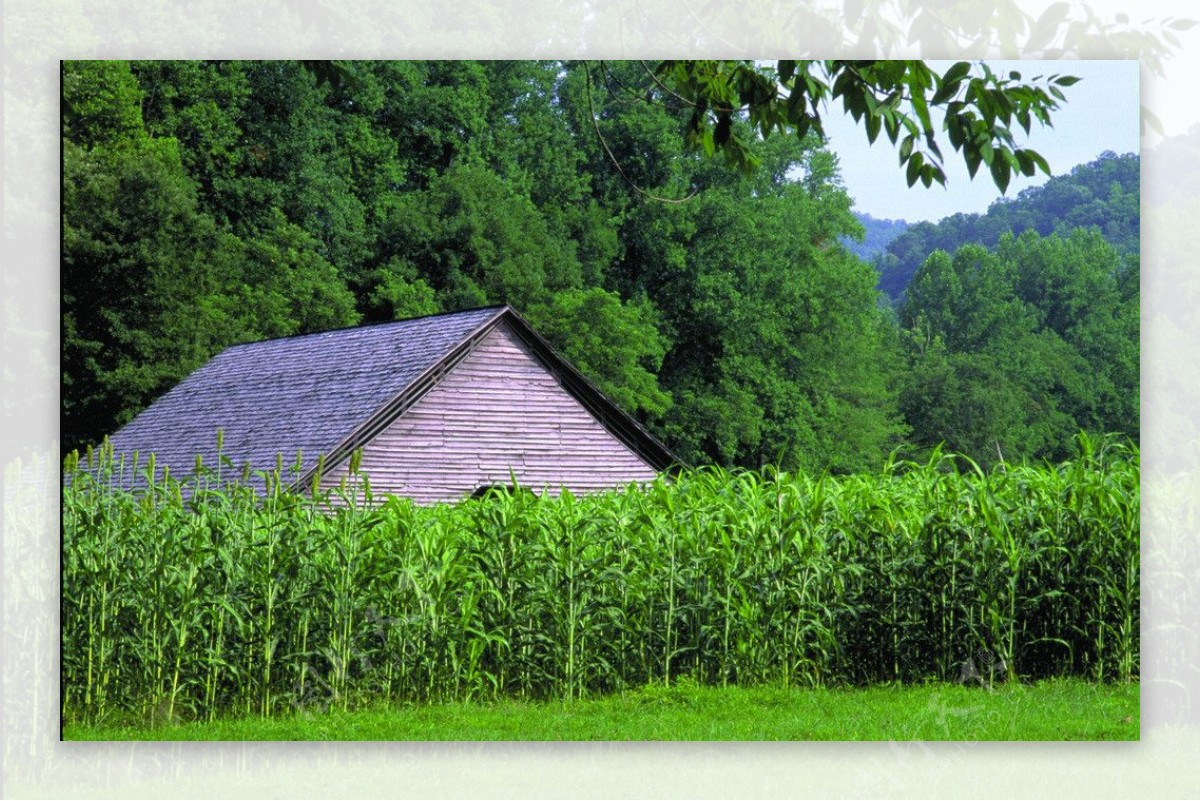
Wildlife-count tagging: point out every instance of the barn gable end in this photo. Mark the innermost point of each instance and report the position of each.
(499, 409)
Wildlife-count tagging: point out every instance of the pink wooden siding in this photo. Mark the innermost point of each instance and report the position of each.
(499, 408)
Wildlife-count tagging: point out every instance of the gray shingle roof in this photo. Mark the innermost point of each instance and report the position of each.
(302, 393)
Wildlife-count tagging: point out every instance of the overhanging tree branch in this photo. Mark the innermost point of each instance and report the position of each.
(616, 163)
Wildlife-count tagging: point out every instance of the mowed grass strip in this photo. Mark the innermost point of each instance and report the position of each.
(1051, 710)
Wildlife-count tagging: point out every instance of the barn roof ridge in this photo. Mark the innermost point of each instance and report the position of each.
(361, 326)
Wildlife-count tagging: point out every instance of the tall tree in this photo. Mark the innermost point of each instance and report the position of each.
(776, 349)
(152, 285)
(1012, 352)
(138, 256)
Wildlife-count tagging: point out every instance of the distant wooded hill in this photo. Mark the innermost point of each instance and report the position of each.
(1104, 194)
(879, 234)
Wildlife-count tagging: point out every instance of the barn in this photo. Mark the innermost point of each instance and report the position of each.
(442, 407)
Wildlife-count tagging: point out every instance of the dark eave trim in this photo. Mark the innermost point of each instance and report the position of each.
(619, 423)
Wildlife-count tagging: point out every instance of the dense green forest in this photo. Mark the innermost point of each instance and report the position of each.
(210, 203)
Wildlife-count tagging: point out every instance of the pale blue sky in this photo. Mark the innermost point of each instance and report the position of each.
(1101, 113)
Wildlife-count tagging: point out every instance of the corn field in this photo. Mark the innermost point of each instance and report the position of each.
(192, 600)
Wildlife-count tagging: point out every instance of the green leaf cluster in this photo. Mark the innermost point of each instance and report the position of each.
(978, 110)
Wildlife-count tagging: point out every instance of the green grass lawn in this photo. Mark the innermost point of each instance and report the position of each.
(1057, 710)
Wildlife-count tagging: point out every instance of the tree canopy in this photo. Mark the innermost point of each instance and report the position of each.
(207, 203)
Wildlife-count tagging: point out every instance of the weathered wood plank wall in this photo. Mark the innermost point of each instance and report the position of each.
(500, 408)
